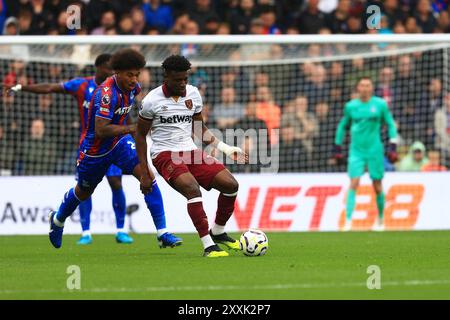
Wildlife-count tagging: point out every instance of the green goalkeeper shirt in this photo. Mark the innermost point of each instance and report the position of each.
(365, 119)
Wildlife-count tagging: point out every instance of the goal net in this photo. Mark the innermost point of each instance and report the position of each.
(279, 98)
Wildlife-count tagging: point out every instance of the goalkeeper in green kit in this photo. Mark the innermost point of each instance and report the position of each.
(365, 115)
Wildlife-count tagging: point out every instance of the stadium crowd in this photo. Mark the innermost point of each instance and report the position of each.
(39, 134)
(40, 17)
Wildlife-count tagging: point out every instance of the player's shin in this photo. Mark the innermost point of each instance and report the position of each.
(380, 205)
(225, 208)
(155, 204)
(200, 220)
(119, 205)
(351, 201)
(68, 205)
(85, 208)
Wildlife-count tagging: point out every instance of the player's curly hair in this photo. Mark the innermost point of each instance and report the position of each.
(176, 63)
(127, 59)
(102, 59)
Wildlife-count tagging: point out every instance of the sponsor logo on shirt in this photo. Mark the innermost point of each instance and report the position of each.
(176, 119)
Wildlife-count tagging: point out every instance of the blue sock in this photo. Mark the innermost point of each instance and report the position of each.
(155, 204)
(119, 205)
(68, 205)
(85, 209)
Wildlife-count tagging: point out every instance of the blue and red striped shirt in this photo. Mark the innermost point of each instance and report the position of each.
(82, 89)
(111, 103)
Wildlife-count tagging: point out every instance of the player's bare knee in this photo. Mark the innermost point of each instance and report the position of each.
(192, 191)
(232, 186)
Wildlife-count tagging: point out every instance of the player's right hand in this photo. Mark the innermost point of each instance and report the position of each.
(146, 184)
(12, 89)
(338, 155)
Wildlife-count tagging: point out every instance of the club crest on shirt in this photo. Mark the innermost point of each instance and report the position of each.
(106, 99)
(189, 104)
(164, 108)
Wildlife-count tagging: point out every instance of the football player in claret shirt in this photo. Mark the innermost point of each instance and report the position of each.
(82, 89)
(107, 140)
(365, 115)
(170, 112)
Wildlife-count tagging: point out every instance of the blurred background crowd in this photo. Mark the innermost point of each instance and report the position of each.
(107, 17)
(304, 100)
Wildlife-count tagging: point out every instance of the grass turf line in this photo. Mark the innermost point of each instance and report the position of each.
(322, 265)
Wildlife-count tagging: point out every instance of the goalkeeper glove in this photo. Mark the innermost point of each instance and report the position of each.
(392, 153)
(338, 155)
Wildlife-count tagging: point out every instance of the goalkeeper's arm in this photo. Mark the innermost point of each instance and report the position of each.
(209, 139)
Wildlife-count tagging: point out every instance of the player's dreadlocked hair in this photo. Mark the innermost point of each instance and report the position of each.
(176, 63)
(127, 59)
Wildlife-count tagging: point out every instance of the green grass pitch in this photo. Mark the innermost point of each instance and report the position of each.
(322, 265)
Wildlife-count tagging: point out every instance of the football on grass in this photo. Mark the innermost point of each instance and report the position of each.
(254, 243)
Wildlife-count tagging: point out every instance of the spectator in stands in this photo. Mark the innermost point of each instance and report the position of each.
(424, 16)
(311, 20)
(292, 153)
(385, 85)
(25, 18)
(443, 23)
(190, 49)
(323, 140)
(269, 19)
(442, 128)
(392, 12)
(11, 27)
(268, 111)
(228, 112)
(240, 17)
(158, 15)
(411, 25)
(434, 162)
(201, 11)
(338, 92)
(415, 159)
(125, 24)
(407, 92)
(296, 115)
(180, 23)
(431, 101)
(107, 22)
(212, 25)
(138, 17)
(317, 89)
(38, 151)
(336, 21)
(41, 17)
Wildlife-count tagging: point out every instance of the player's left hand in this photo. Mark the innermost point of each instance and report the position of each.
(392, 153)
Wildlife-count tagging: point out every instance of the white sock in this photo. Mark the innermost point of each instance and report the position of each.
(86, 233)
(216, 229)
(207, 241)
(57, 222)
(160, 232)
(121, 230)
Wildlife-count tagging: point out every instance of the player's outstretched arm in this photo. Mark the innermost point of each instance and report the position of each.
(147, 177)
(39, 88)
(207, 137)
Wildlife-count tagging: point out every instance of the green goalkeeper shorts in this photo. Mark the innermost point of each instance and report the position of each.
(359, 163)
